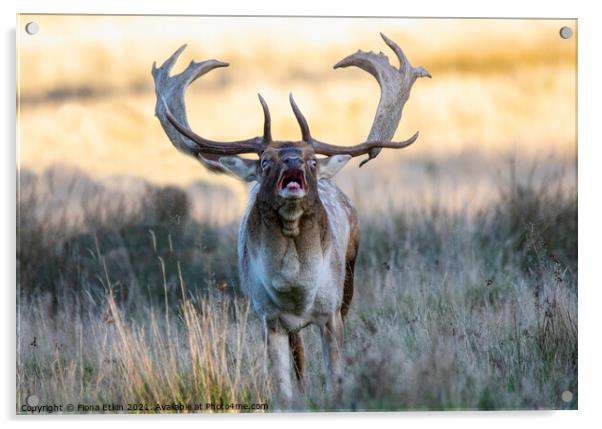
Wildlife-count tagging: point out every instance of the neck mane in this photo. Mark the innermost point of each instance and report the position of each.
(303, 219)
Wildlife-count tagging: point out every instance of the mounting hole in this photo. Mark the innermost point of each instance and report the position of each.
(566, 32)
(32, 400)
(567, 396)
(32, 28)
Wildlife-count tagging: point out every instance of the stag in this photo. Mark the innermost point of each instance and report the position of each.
(299, 235)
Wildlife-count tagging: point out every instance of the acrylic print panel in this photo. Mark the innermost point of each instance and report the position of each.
(257, 268)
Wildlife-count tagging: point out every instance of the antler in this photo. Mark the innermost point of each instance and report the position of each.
(171, 111)
(305, 134)
(395, 85)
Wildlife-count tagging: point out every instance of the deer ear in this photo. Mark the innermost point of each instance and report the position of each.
(330, 166)
(242, 168)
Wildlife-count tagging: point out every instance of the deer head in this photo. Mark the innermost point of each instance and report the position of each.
(286, 170)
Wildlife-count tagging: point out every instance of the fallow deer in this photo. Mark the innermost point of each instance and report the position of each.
(299, 235)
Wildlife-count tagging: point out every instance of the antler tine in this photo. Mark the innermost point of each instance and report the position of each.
(305, 134)
(171, 111)
(267, 121)
(404, 64)
(215, 148)
(395, 85)
(360, 149)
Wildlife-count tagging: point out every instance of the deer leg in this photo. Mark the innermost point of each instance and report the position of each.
(280, 360)
(295, 341)
(332, 347)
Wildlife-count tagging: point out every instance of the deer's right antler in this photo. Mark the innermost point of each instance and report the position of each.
(170, 108)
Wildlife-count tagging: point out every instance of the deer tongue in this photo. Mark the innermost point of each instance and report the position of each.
(293, 186)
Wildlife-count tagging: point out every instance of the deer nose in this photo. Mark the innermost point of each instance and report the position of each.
(293, 161)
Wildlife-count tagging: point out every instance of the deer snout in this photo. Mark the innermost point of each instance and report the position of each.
(292, 183)
(293, 161)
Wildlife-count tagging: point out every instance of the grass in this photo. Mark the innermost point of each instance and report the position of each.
(454, 309)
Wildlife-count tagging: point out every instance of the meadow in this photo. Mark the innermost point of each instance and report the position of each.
(466, 280)
(453, 310)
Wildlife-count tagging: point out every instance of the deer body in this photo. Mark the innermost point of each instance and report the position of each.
(295, 281)
(299, 235)
(296, 265)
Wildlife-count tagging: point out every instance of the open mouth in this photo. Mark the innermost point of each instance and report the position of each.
(292, 181)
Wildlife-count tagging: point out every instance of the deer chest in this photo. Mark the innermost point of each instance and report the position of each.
(294, 287)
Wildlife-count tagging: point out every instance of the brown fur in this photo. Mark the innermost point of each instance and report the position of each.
(352, 249)
(347, 288)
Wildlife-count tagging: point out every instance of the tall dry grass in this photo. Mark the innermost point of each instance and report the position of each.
(454, 309)
(201, 356)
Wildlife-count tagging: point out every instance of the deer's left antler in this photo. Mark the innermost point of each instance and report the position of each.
(395, 85)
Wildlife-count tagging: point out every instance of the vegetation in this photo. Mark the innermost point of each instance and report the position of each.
(453, 309)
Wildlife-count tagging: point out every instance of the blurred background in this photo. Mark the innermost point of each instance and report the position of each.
(501, 89)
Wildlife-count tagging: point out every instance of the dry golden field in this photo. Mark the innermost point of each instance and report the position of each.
(498, 87)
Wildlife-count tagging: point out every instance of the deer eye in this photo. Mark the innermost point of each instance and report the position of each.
(265, 164)
(312, 163)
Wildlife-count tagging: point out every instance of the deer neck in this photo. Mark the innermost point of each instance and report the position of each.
(306, 224)
(293, 216)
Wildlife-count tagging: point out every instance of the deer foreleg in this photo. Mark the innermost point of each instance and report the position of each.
(280, 361)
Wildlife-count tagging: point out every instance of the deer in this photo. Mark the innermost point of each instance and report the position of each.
(299, 235)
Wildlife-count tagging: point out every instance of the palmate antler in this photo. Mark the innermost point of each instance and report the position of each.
(395, 85)
(171, 111)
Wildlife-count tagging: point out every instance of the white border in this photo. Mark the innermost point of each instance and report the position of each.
(589, 177)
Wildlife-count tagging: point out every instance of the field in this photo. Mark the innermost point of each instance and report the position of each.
(466, 282)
